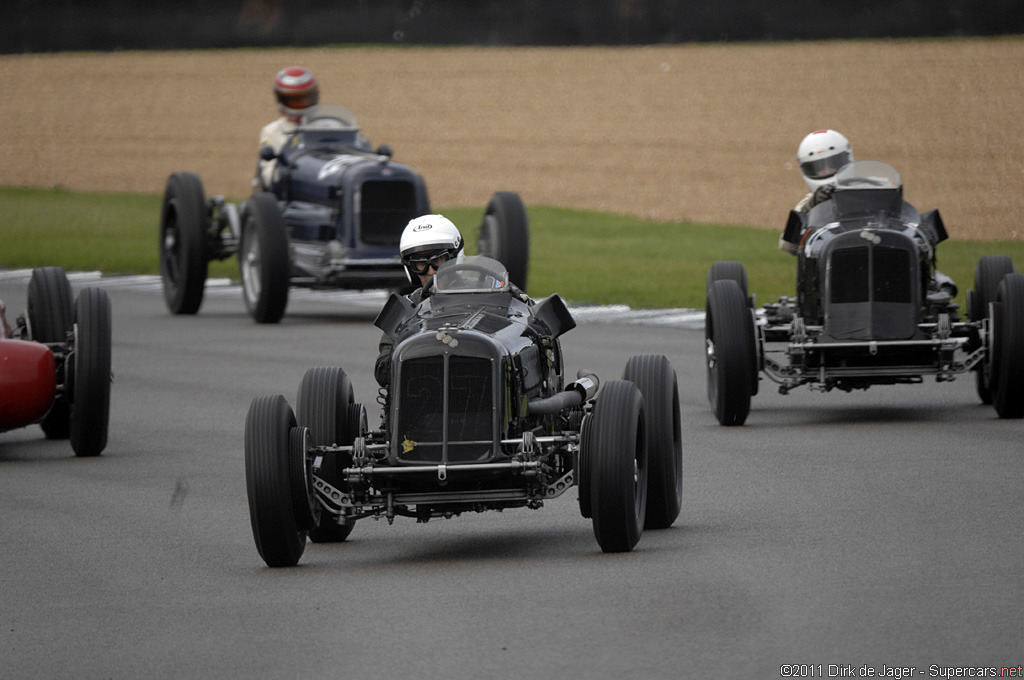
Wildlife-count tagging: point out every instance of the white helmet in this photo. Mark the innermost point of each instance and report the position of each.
(820, 156)
(429, 240)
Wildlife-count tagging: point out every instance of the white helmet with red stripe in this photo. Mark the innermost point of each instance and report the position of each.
(820, 156)
(297, 92)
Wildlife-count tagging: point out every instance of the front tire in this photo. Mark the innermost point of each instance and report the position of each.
(505, 235)
(731, 352)
(90, 408)
(988, 274)
(618, 466)
(583, 474)
(325, 406)
(184, 260)
(275, 528)
(1008, 364)
(263, 259)
(51, 317)
(654, 377)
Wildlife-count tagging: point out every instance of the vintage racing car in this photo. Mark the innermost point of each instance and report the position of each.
(477, 416)
(870, 307)
(332, 217)
(55, 363)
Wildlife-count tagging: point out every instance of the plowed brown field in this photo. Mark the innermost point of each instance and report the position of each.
(687, 132)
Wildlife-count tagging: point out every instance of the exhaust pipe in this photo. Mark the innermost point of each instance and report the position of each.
(575, 394)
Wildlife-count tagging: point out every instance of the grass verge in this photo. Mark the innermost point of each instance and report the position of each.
(587, 257)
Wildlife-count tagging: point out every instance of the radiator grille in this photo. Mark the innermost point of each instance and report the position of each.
(421, 410)
(426, 407)
(876, 274)
(891, 276)
(385, 208)
(850, 275)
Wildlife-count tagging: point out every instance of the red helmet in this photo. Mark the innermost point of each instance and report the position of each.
(297, 91)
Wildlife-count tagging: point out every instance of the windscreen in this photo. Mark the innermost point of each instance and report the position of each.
(472, 274)
(868, 175)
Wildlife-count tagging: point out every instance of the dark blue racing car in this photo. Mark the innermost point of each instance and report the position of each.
(331, 217)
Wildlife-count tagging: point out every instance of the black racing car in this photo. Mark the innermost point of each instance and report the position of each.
(476, 417)
(332, 217)
(870, 307)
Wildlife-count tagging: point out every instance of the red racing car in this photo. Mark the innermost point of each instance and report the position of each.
(55, 363)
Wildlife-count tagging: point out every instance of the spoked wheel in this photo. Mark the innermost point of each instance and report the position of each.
(731, 352)
(505, 235)
(988, 274)
(583, 474)
(326, 405)
(184, 222)
(1008, 348)
(300, 478)
(268, 481)
(263, 259)
(90, 406)
(618, 466)
(654, 377)
(50, 318)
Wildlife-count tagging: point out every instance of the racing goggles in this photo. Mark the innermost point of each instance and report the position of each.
(823, 168)
(420, 263)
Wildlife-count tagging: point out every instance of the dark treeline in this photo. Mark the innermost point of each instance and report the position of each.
(59, 25)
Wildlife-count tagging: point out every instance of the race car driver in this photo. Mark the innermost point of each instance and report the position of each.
(820, 156)
(297, 93)
(427, 243)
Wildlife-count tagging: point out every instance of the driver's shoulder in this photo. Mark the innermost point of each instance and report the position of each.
(279, 126)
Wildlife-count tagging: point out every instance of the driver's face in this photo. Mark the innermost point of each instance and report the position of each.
(430, 270)
(426, 266)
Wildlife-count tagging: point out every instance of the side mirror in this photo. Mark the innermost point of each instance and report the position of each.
(397, 310)
(554, 315)
(384, 150)
(267, 153)
(932, 223)
(794, 227)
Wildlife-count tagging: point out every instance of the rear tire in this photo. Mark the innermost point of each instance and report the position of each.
(1008, 364)
(184, 260)
(618, 467)
(505, 235)
(90, 406)
(324, 405)
(728, 270)
(988, 274)
(731, 354)
(275, 529)
(50, 305)
(263, 259)
(654, 377)
(51, 317)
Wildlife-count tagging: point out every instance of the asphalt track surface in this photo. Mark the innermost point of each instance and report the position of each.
(878, 529)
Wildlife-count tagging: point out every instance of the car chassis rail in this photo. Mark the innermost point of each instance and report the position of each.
(528, 461)
(943, 342)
